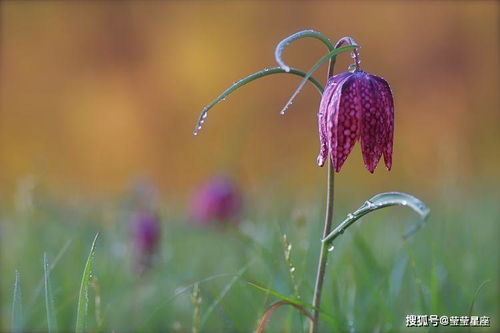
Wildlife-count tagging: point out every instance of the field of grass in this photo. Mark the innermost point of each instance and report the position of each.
(374, 277)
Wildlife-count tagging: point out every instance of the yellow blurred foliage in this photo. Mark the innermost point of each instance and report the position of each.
(94, 94)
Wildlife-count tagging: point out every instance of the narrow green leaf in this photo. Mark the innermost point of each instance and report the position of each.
(40, 284)
(289, 299)
(17, 319)
(476, 294)
(83, 298)
(380, 201)
(248, 79)
(279, 295)
(179, 291)
(49, 301)
(397, 274)
(298, 35)
(328, 318)
(222, 294)
(331, 54)
(269, 311)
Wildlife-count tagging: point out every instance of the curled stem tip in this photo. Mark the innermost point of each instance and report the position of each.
(330, 55)
(248, 79)
(298, 35)
(355, 53)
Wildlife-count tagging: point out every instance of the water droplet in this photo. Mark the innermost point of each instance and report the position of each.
(282, 112)
(292, 269)
(330, 249)
(195, 132)
(352, 68)
(404, 203)
(350, 216)
(353, 54)
(369, 204)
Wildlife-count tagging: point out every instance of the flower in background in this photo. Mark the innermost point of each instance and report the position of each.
(356, 105)
(218, 200)
(146, 234)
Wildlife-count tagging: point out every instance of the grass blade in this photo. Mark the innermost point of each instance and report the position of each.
(396, 277)
(223, 293)
(17, 307)
(179, 291)
(476, 294)
(377, 202)
(292, 301)
(97, 302)
(39, 287)
(267, 314)
(196, 301)
(83, 298)
(49, 301)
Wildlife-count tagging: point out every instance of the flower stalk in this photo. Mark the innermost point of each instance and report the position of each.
(323, 254)
(355, 106)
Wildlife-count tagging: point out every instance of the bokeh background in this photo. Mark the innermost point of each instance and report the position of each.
(94, 94)
(97, 96)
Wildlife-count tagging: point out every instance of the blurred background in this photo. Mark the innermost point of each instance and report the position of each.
(95, 94)
(97, 97)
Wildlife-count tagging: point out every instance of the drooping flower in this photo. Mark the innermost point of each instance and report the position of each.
(146, 233)
(218, 200)
(356, 105)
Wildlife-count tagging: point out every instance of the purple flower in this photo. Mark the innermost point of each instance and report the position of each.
(218, 200)
(356, 105)
(146, 235)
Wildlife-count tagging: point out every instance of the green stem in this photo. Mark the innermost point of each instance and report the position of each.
(323, 256)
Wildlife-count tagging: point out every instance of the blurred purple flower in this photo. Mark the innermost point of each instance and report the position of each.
(218, 200)
(146, 233)
(356, 105)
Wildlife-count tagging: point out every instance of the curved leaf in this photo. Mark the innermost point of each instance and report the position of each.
(269, 311)
(331, 54)
(222, 294)
(291, 300)
(83, 298)
(380, 201)
(301, 34)
(248, 79)
(476, 294)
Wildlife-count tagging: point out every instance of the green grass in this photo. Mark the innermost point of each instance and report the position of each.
(374, 276)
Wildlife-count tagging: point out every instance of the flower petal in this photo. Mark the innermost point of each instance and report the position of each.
(348, 121)
(372, 123)
(322, 117)
(388, 106)
(324, 114)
